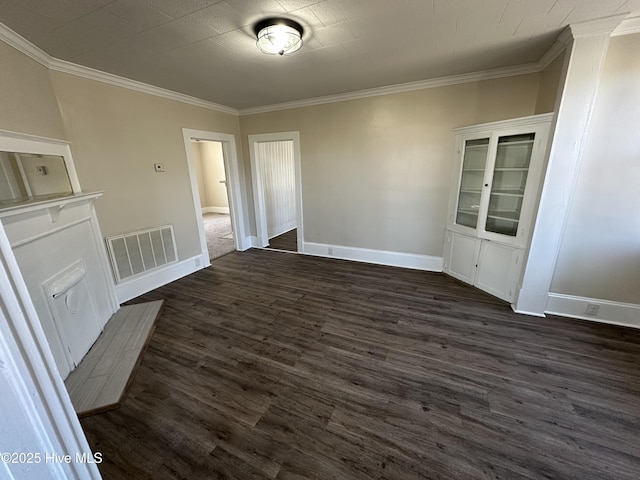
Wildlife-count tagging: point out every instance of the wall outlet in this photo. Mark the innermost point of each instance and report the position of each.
(592, 309)
(159, 167)
(198, 261)
(330, 251)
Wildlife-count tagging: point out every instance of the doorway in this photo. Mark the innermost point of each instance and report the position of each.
(275, 168)
(213, 193)
(215, 175)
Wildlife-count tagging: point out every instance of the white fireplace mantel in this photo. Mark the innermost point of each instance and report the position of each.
(49, 239)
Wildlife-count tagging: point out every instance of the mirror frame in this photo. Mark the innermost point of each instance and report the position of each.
(25, 143)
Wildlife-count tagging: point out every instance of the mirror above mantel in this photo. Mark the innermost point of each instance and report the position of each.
(34, 169)
(29, 177)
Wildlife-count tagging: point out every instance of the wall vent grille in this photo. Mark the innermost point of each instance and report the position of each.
(135, 253)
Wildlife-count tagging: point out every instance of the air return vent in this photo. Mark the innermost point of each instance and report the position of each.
(136, 253)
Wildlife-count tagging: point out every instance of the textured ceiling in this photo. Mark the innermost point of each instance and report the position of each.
(206, 48)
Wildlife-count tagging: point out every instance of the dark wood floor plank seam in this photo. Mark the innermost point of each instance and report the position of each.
(271, 365)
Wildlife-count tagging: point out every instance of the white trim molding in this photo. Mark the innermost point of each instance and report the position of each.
(23, 45)
(26, 143)
(258, 194)
(142, 284)
(380, 257)
(223, 210)
(234, 172)
(111, 79)
(37, 414)
(600, 26)
(399, 88)
(616, 313)
(528, 121)
(626, 26)
(581, 75)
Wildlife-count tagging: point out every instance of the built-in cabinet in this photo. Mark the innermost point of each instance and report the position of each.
(494, 196)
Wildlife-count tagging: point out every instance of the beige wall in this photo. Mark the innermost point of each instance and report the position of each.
(27, 101)
(549, 85)
(376, 172)
(117, 135)
(600, 252)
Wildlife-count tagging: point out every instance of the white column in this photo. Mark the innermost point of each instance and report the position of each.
(584, 63)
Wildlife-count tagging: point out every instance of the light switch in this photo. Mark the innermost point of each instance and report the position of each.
(159, 167)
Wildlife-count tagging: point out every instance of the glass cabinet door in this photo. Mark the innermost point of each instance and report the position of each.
(511, 168)
(473, 167)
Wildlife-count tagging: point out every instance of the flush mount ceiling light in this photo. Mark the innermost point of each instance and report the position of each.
(278, 36)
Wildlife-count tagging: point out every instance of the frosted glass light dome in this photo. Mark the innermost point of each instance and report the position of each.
(279, 36)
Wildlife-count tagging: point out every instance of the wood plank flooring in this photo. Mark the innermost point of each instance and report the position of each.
(288, 241)
(100, 381)
(270, 365)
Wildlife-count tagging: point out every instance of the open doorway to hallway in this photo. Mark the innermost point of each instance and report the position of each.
(214, 197)
(225, 221)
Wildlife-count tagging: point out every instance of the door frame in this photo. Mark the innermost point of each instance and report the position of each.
(258, 192)
(234, 174)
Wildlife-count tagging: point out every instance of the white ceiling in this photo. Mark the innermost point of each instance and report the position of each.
(206, 48)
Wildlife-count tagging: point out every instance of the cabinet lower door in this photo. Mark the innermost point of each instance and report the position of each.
(498, 269)
(461, 256)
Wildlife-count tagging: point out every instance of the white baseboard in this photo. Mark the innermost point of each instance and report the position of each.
(253, 242)
(287, 227)
(525, 312)
(215, 210)
(616, 313)
(380, 257)
(145, 283)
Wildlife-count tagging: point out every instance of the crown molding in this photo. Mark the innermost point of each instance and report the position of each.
(540, 118)
(615, 25)
(399, 88)
(21, 44)
(600, 26)
(118, 81)
(32, 138)
(628, 26)
(559, 46)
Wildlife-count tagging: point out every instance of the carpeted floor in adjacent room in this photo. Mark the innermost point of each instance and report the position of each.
(217, 228)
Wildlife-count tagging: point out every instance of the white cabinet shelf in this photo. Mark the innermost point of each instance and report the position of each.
(499, 167)
(506, 215)
(508, 193)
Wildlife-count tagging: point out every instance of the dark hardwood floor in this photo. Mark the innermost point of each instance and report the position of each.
(288, 241)
(269, 365)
